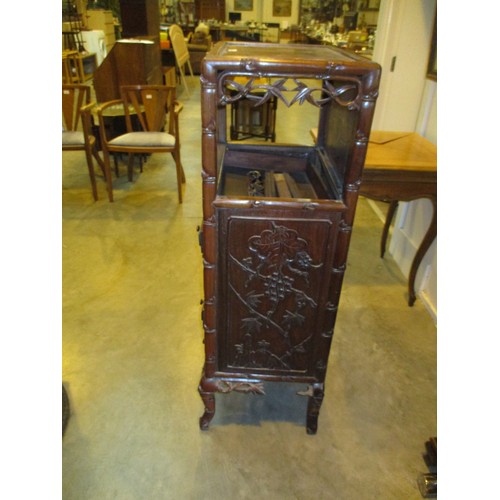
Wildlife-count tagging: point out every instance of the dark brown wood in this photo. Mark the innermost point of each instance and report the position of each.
(404, 186)
(137, 63)
(393, 205)
(248, 120)
(210, 9)
(273, 265)
(140, 18)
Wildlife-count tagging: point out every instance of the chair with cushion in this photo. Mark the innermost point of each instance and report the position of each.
(181, 52)
(76, 109)
(156, 113)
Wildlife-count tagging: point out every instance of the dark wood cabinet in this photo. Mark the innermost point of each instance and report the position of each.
(277, 219)
(140, 18)
(135, 62)
(210, 9)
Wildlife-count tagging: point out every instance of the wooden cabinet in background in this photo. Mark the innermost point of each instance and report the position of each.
(210, 9)
(277, 218)
(140, 18)
(131, 62)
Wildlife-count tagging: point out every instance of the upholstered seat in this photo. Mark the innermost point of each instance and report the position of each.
(72, 138)
(144, 139)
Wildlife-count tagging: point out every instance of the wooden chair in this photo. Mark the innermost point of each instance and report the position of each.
(181, 52)
(157, 115)
(76, 109)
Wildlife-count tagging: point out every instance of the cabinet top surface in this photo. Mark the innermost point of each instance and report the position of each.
(286, 53)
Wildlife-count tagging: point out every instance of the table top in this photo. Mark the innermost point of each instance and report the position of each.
(400, 151)
(308, 58)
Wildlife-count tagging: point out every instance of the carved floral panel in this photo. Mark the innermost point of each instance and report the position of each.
(277, 276)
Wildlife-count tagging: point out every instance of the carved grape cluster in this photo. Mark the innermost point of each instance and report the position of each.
(277, 286)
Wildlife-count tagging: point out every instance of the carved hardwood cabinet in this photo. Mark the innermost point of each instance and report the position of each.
(277, 218)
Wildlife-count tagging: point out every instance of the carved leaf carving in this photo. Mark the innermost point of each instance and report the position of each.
(345, 92)
(251, 325)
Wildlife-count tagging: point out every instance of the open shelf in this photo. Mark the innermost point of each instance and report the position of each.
(274, 172)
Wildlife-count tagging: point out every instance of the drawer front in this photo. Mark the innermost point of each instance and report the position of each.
(273, 282)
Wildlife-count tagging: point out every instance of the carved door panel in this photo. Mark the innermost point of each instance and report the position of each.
(273, 284)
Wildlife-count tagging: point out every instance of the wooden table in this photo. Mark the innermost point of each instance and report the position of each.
(249, 120)
(402, 166)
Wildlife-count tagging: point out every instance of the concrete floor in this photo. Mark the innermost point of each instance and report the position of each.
(133, 353)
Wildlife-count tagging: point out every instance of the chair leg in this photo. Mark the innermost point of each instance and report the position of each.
(130, 167)
(190, 67)
(99, 161)
(107, 175)
(183, 178)
(90, 166)
(182, 71)
(115, 160)
(177, 158)
(180, 174)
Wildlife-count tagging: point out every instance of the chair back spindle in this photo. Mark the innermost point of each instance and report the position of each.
(150, 105)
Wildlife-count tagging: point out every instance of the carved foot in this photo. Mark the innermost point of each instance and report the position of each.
(209, 402)
(313, 407)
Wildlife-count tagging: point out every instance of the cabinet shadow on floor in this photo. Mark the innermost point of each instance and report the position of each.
(280, 403)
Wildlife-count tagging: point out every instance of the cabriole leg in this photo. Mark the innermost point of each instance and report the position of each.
(209, 402)
(313, 407)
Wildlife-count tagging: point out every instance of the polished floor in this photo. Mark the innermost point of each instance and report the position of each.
(132, 357)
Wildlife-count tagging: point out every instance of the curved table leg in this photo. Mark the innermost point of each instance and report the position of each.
(390, 215)
(429, 237)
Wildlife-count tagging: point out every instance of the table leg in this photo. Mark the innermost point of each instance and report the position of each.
(390, 215)
(429, 237)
